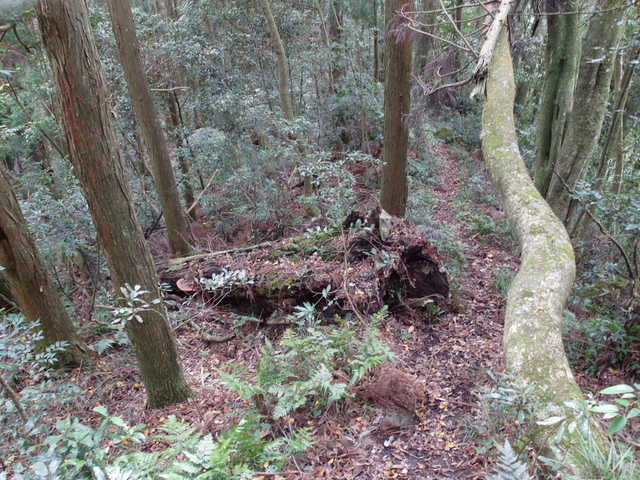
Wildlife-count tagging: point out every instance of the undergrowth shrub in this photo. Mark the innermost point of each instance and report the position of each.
(311, 369)
(29, 375)
(237, 453)
(501, 279)
(514, 422)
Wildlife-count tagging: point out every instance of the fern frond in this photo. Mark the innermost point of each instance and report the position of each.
(510, 466)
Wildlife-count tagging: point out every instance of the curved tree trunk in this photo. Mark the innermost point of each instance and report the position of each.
(533, 348)
(30, 281)
(80, 84)
(397, 105)
(166, 188)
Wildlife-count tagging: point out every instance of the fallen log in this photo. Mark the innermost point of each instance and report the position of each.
(368, 263)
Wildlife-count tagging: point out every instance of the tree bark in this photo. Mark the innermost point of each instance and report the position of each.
(145, 110)
(283, 76)
(376, 43)
(397, 105)
(30, 282)
(533, 348)
(175, 123)
(96, 160)
(424, 44)
(563, 51)
(589, 106)
(612, 148)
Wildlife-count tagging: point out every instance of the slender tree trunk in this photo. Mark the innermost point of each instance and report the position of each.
(30, 282)
(590, 99)
(175, 122)
(80, 84)
(424, 44)
(169, 7)
(556, 101)
(533, 348)
(612, 147)
(397, 104)
(167, 190)
(337, 42)
(283, 75)
(376, 43)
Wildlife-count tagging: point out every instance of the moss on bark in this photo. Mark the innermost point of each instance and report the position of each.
(533, 347)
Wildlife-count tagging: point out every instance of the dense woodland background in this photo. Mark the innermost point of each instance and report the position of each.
(273, 113)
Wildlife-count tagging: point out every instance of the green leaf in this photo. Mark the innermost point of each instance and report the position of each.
(617, 425)
(550, 421)
(40, 469)
(622, 401)
(118, 422)
(634, 412)
(617, 390)
(604, 408)
(101, 410)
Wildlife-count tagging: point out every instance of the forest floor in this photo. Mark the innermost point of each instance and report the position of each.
(447, 360)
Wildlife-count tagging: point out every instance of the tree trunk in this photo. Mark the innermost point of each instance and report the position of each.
(175, 123)
(612, 148)
(563, 51)
(376, 43)
(166, 188)
(576, 146)
(424, 44)
(337, 42)
(533, 348)
(96, 160)
(397, 104)
(30, 281)
(169, 7)
(283, 76)
(612, 151)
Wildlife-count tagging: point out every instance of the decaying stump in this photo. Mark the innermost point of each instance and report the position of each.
(375, 260)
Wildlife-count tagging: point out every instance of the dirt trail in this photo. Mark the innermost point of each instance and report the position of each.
(451, 357)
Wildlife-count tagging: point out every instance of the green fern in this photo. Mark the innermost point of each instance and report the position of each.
(236, 454)
(510, 467)
(312, 367)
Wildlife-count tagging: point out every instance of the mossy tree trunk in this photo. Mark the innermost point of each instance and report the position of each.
(145, 111)
(533, 347)
(397, 105)
(96, 160)
(580, 136)
(562, 58)
(30, 282)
